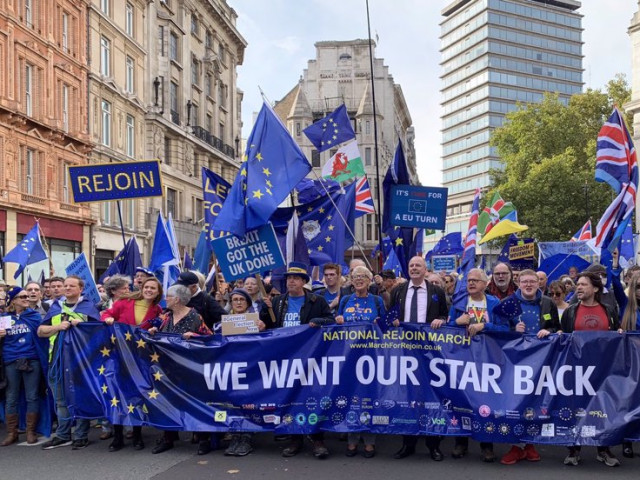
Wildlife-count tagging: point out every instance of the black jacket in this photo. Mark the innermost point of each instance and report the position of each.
(314, 308)
(549, 318)
(210, 310)
(436, 303)
(569, 317)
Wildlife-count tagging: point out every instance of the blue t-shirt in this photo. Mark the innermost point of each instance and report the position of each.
(19, 342)
(292, 316)
(361, 309)
(330, 297)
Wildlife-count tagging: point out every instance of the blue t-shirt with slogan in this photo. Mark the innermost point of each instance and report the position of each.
(292, 317)
(19, 342)
(361, 309)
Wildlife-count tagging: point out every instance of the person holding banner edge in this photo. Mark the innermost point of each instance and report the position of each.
(419, 302)
(293, 308)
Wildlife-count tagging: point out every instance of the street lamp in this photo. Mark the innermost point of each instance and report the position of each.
(156, 86)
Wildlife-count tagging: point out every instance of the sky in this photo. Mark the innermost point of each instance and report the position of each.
(281, 35)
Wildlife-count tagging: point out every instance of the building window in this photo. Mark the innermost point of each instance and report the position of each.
(131, 137)
(209, 123)
(367, 127)
(161, 40)
(29, 171)
(65, 107)
(195, 72)
(65, 183)
(106, 213)
(105, 7)
(130, 214)
(315, 158)
(298, 129)
(222, 94)
(28, 90)
(173, 47)
(128, 19)
(129, 75)
(105, 56)
(195, 115)
(28, 12)
(198, 209)
(167, 150)
(221, 131)
(221, 52)
(173, 94)
(106, 123)
(65, 32)
(367, 156)
(208, 39)
(172, 205)
(195, 27)
(208, 85)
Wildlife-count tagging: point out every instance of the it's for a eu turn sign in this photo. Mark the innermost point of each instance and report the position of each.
(421, 207)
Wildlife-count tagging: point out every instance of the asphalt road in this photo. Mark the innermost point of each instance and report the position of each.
(95, 462)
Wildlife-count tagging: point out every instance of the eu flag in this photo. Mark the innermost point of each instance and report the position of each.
(202, 255)
(162, 252)
(331, 130)
(324, 228)
(273, 166)
(397, 174)
(126, 261)
(28, 251)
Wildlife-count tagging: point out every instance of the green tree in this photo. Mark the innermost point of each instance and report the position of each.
(548, 150)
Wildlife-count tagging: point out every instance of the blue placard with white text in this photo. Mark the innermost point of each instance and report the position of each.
(115, 181)
(421, 207)
(444, 263)
(80, 267)
(240, 257)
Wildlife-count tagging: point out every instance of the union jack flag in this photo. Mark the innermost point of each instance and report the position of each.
(583, 234)
(460, 294)
(616, 161)
(616, 164)
(364, 201)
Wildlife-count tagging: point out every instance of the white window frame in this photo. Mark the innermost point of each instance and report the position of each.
(129, 19)
(105, 56)
(28, 13)
(65, 31)
(65, 184)
(106, 123)
(28, 89)
(130, 68)
(64, 105)
(131, 136)
(28, 168)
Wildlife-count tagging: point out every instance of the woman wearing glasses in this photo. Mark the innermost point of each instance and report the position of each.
(360, 306)
(25, 358)
(558, 293)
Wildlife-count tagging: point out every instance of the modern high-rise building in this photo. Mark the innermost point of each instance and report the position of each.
(495, 55)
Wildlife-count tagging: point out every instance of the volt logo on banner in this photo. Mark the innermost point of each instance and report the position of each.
(113, 181)
(411, 380)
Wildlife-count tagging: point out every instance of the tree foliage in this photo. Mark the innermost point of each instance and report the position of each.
(549, 150)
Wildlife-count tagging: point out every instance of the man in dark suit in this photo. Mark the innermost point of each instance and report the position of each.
(419, 302)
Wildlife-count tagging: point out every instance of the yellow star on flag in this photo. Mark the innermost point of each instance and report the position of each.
(130, 408)
(320, 248)
(321, 210)
(329, 217)
(155, 357)
(310, 209)
(398, 241)
(331, 227)
(327, 239)
(113, 339)
(101, 370)
(258, 194)
(158, 375)
(104, 389)
(141, 343)
(128, 336)
(153, 394)
(268, 183)
(259, 156)
(243, 172)
(105, 352)
(266, 171)
(114, 402)
(269, 191)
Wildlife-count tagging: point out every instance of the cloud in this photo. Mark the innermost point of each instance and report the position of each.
(290, 44)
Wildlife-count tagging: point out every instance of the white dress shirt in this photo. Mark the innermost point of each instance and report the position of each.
(422, 302)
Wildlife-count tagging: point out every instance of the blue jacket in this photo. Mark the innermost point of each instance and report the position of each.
(495, 323)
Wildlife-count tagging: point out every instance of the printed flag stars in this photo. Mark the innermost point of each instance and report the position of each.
(130, 408)
(105, 352)
(113, 339)
(155, 357)
(158, 376)
(101, 370)
(153, 394)
(104, 388)
(141, 343)
(128, 336)
(115, 402)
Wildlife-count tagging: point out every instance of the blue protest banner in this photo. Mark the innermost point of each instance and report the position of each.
(114, 181)
(80, 267)
(421, 207)
(444, 263)
(498, 387)
(239, 257)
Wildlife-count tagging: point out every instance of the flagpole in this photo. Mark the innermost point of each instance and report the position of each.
(375, 135)
(124, 241)
(346, 224)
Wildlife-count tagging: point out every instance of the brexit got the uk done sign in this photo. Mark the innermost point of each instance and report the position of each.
(115, 181)
(498, 387)
(420, 207)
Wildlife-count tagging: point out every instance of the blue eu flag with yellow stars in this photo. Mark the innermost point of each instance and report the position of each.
(28, 251)
(331, 130)
(273, 165)
(323, 225)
